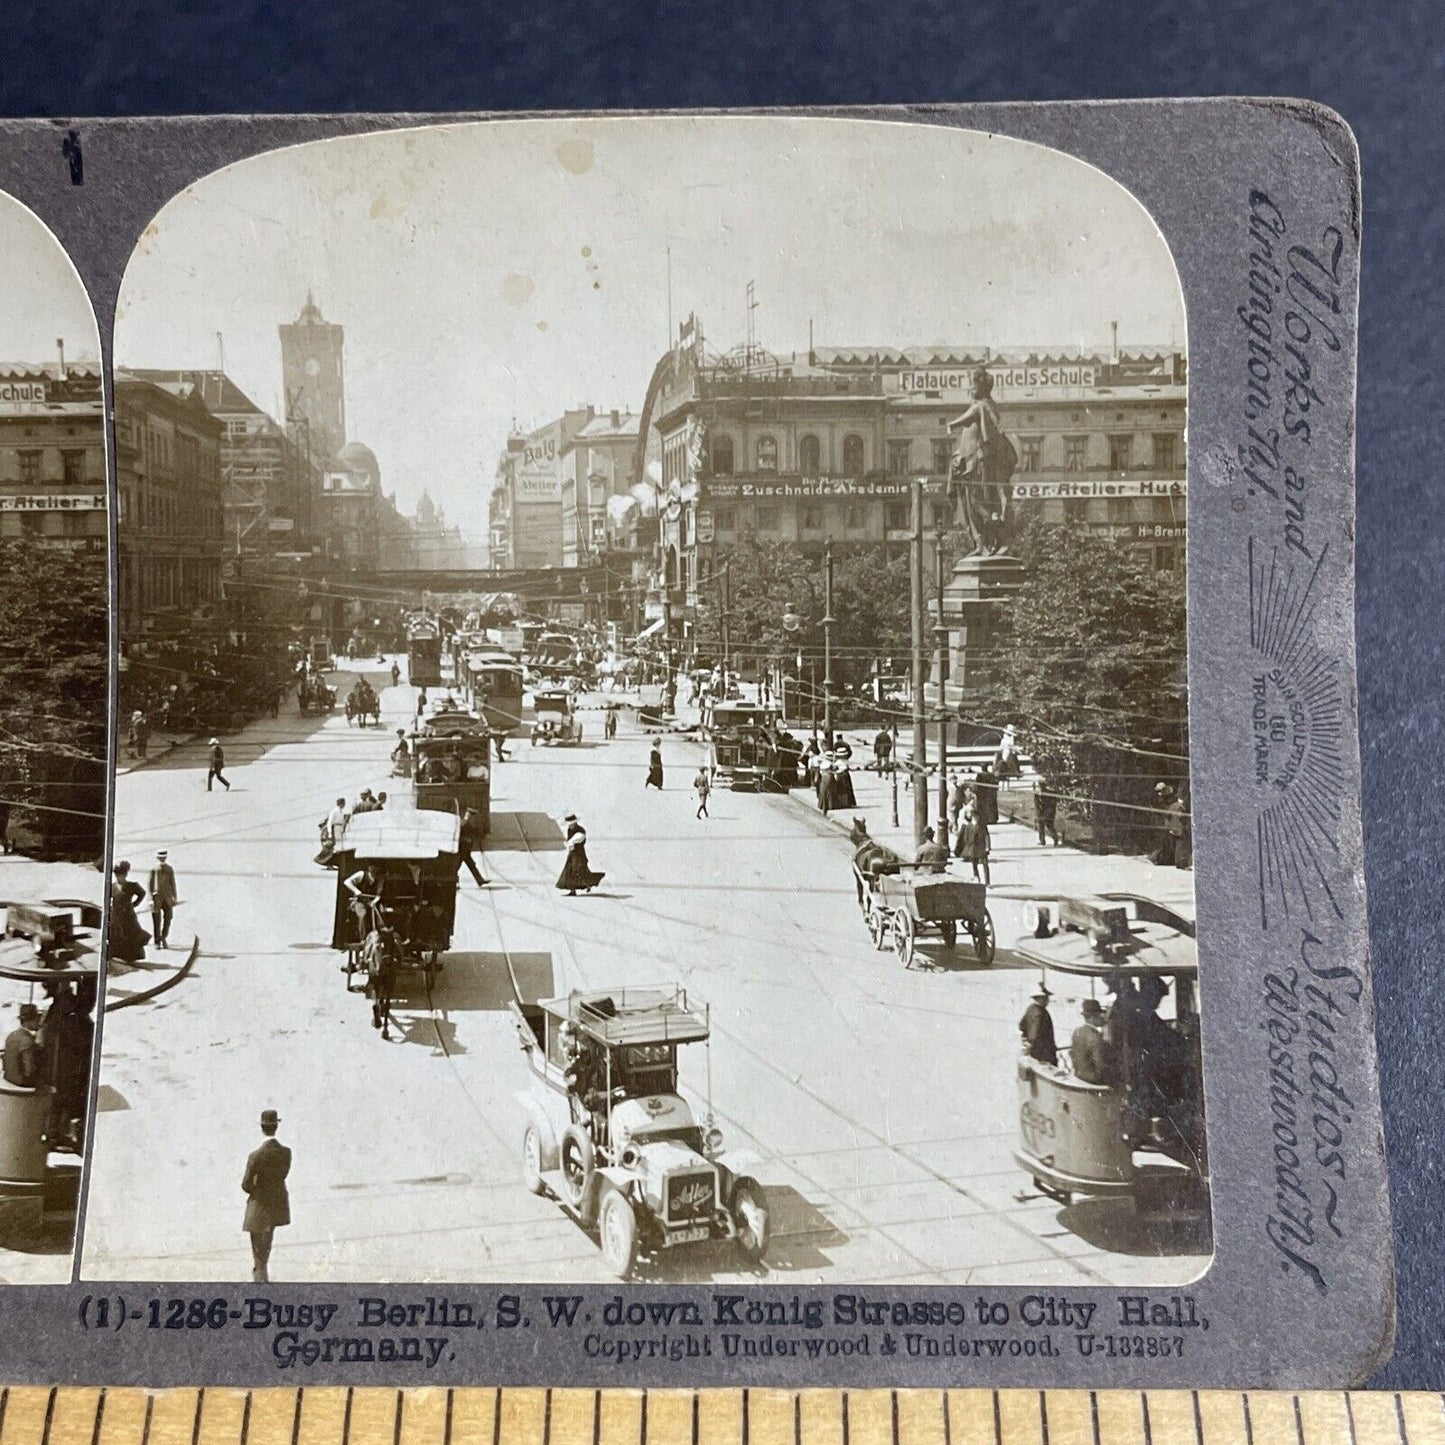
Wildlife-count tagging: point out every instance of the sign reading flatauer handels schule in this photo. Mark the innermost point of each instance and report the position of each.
(1020, 378)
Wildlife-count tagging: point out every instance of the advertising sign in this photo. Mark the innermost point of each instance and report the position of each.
(54, 502)
(1086, 488)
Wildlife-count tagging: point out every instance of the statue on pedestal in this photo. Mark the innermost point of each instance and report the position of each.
(983, 464)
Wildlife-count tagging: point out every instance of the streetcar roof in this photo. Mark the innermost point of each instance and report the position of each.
(403, 833)
(1153, 940)
(621, 1016)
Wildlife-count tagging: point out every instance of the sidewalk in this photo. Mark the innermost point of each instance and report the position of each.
(158, 747)
(1018, 864)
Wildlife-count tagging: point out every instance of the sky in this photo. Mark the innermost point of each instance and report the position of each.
(42, 298)
(494, 272)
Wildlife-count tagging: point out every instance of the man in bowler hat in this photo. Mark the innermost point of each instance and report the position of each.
(163, 899)
(268, 1206)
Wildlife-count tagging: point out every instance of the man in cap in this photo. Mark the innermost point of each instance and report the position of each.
(1037, 1028)
(268, 1205)
(932, 855)
(162, 885)
(218, 763)
(1088, 1051)
(21, 1065)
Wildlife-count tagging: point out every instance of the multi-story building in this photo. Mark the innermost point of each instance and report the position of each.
(825, 446)
(599, 471)
(269, 478)
(526, 518)
(52, 455)
(170, 512)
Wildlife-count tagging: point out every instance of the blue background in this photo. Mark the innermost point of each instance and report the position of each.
(1380, 65)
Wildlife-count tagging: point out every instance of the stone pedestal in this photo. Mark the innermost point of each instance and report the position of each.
(974, 599)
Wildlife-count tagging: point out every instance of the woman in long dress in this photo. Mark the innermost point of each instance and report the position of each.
(127, 938)
(577, 871)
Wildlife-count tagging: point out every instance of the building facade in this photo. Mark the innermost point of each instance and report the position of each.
(52, 455)
(826, 446)
(599, 472)
(170, 515)
(270, 481)
(525, 509)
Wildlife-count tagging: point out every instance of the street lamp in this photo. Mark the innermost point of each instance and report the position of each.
(793, 622)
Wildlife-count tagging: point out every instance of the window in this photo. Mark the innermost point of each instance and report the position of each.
(726, 519)
(895, 516)
(1029, 449)
(72, 461)
(1166, 452)
(857, 516)
(1121, 453)
(942, 456)
(767, 454)
(722, 456)
(898, 457)
(768, 518)
(810, 455)
(29, 466)
(1074, 449)
(853, 463)
(811, 515)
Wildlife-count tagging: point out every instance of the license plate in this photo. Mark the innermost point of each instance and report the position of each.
(691, 1235)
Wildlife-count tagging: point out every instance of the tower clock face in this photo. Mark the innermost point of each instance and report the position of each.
(313, 367)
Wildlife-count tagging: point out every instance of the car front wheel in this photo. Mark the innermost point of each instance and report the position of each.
(618, 1231)
(750, 1218)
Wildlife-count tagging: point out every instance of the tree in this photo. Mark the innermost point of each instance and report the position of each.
(1092, 668)
(55, 656)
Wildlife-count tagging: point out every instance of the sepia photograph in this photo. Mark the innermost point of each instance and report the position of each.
(653, 725)
(55, 669)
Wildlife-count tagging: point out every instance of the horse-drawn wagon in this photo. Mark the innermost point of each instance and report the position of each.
(900, 900)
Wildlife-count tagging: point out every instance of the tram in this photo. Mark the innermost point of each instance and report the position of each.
(494, 680)
(424, 652)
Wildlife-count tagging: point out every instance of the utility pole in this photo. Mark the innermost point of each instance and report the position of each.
(940, 634)
(920, 681)
(727, 602)
(828, 642)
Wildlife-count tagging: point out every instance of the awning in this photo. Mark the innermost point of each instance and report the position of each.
(651, 628)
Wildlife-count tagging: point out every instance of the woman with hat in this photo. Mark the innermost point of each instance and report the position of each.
(127, 938)
(577, 871)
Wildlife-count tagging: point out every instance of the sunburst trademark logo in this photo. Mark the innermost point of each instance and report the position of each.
(1297, 717)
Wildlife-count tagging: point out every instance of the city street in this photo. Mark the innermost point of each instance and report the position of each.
(881, 1103)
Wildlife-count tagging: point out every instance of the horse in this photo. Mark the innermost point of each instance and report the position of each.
(871, 859)
(381, 953)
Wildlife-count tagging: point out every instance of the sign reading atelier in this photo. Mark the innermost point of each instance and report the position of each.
(55, 502)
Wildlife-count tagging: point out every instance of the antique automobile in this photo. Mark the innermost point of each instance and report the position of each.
(413, 855)
(742, 740)
(1136, 1125)
(611, 1137)
(901, 900)
(451, 768)
(556, 718)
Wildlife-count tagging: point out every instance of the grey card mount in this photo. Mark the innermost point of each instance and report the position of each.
(735, 750)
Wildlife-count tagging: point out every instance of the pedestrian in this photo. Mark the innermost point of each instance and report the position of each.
(500, 739)
(336, 821)
(1037, 1028)
(395, 672)
(162, 883)
(1178, 825)
(218, 762)
(1164, 853)
(1089, 1053)
(609, 728)
(702, 784)
(577, 870)
(276, 702)
(268, 1205)
(471, 843)
(1046, 813)
(21, 1066)
(127, 938)
(654, 767)
(5, 844)
(142, 734)
(957, 796)
(978, 850)
(985, 792)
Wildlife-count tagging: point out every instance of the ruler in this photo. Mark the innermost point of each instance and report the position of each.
(76, 1416)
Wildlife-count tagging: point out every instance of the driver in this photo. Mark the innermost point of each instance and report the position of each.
(583, 1076)
(365, 888)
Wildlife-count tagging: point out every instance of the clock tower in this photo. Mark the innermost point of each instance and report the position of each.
(314, 381)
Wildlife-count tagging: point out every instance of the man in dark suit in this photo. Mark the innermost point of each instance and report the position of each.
(1089, 1052)
(163, 899)
(268, 1206)
(22, 1050)
(1037, 1028)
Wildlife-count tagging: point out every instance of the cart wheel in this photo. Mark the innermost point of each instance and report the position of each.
(903, 937)
(983, 938)
(877, 928)
(948, 927)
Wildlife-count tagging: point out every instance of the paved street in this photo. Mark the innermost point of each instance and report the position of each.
(881, 1103)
